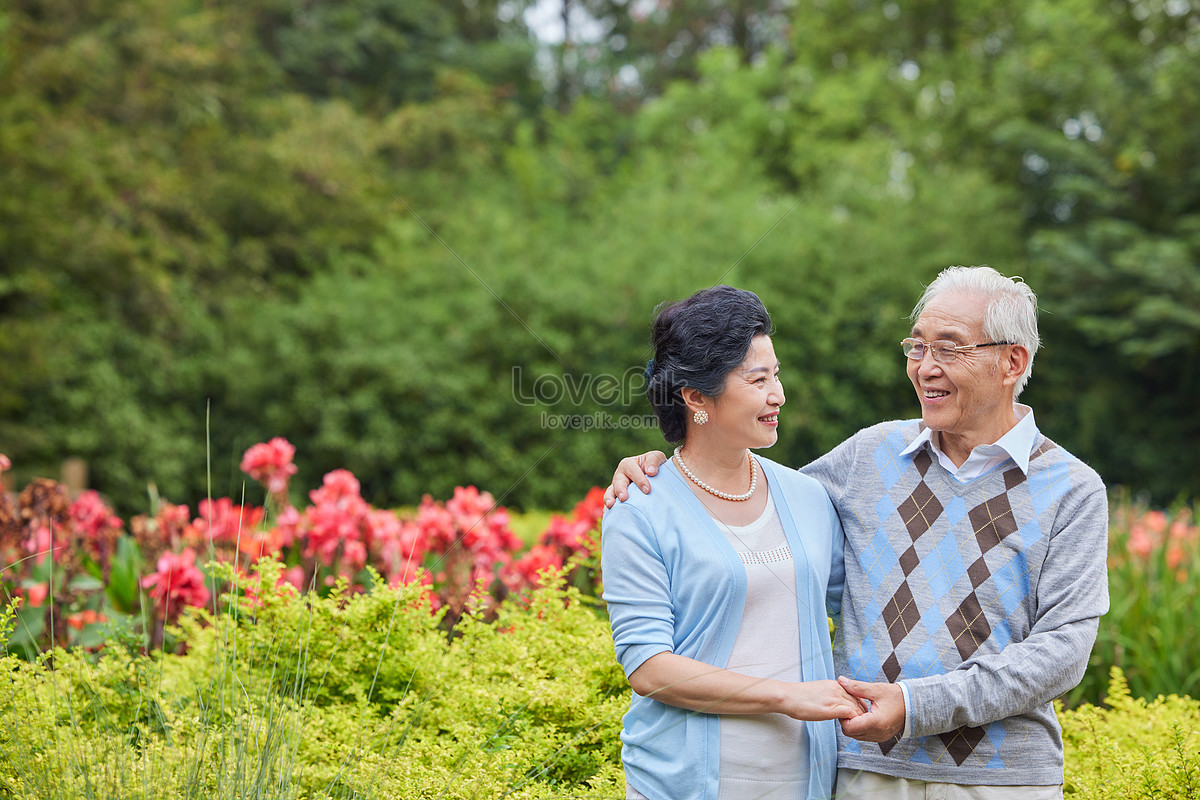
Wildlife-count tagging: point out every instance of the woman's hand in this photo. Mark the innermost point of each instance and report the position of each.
(820, 700)
(632, 469)
(686, 683)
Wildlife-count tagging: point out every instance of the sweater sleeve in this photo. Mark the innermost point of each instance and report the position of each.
(832, 471)
(637, 588)
(1071, 595)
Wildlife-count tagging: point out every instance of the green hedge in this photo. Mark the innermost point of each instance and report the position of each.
(365, 696)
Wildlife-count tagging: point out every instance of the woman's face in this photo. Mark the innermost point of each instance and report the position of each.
(747, 412)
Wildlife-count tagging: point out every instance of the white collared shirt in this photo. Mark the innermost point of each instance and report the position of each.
(1016, 444)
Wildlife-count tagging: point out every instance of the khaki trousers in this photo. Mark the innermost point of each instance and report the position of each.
(856, 785)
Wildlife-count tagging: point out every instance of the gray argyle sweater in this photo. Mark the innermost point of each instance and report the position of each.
(983, 597)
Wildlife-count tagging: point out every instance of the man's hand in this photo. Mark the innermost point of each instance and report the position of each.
(632, 469)
(884, 720)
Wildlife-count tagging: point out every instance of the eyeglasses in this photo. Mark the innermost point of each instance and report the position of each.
(943, 351)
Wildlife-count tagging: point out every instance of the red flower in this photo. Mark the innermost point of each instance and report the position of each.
(37, 594)
(271, 464)
(591, 508)
(523, 573)
(86, 617)
(223, 521)
(178, 582)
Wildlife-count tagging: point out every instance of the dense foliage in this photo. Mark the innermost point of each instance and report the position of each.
(364, 696)
(373, 229)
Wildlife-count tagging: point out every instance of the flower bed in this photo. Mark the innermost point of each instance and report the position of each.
(82, 578)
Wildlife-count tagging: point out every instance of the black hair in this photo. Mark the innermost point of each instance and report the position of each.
(697, 343)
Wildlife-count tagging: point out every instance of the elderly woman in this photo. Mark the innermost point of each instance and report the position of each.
(717, 583)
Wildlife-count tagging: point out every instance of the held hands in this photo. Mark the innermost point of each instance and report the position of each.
(819, 700)
(632, 469)
(885, 718)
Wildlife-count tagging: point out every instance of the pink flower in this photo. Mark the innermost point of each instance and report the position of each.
(177, 582)
(5, 464)
(294, 576)
(91, 515)
(354, 556)
(1139, 543)
(271, 464)
(437, 525)
(41, 543)
(288, 526)
(1156, 521)
(336, 486)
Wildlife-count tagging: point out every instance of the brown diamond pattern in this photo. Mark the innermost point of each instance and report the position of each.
(992, 520)
(920, 510)
(961, 742)
(1013, 478)
(900, 614)
(968, 626)
(978, 572)
(922, 461)
(909, 560)
(886, 747)
(891, 668)
(1045, 447)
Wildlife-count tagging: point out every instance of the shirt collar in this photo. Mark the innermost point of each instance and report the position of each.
(1018, 442)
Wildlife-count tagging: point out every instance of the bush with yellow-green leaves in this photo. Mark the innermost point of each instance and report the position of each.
(365, 695)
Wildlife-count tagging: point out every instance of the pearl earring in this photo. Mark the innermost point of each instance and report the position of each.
(700, 417)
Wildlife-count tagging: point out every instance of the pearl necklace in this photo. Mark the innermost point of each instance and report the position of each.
(710, 490)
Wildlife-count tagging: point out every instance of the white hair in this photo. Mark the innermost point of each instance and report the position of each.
(1011, 307)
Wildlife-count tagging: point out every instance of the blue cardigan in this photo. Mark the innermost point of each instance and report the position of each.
(673, 583)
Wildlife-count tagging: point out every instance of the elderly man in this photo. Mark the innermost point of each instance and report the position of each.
(975, 562)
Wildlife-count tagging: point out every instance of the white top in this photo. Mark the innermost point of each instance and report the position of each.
(754, 746)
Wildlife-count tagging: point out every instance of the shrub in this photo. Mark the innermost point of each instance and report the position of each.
(347, 695)
(1133, 747)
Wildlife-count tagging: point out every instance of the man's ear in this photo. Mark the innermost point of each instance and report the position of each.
(1014, 363)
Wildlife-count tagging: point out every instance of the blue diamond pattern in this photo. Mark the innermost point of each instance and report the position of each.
(880, 560)
(851, 746)
(1030, 533)
(865, 664)
(885, 508)
(955, 510)
(1012, 582)
(1001, 633)
(996, 734)
(924, 662)
(886, 459)
(943, 566)
(920, 757)
(933, 619)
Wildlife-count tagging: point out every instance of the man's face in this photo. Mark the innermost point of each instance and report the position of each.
(968, 396)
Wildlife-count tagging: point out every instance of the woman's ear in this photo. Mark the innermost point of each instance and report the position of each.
(695, 400)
